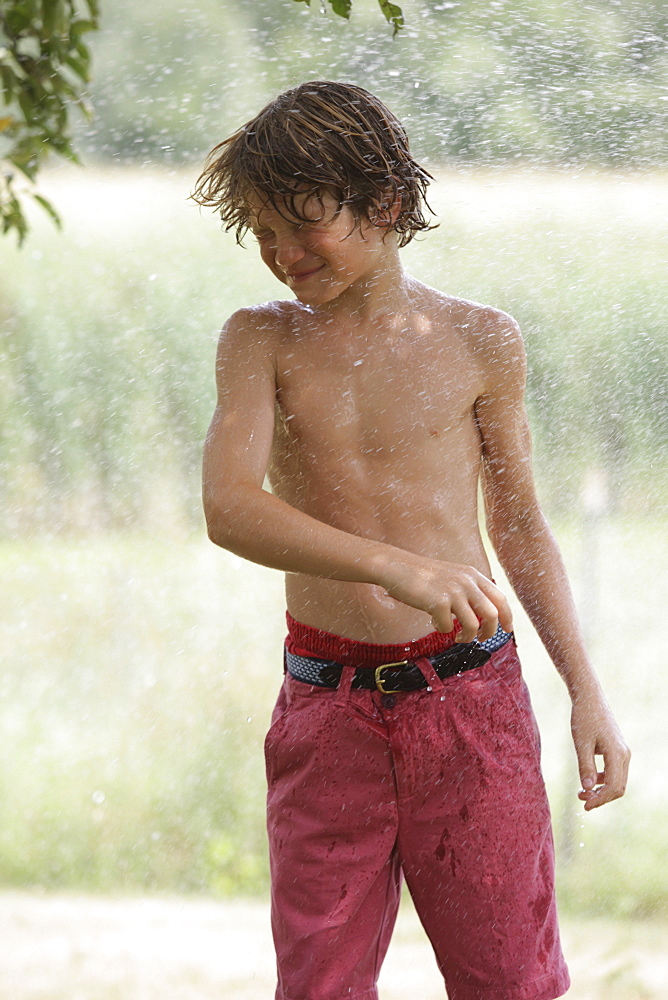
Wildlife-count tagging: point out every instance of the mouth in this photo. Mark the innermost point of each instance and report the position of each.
(295, 277)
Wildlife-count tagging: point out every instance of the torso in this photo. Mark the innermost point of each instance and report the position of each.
(376, 434)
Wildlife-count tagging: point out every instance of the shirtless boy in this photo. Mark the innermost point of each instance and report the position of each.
(375, 404)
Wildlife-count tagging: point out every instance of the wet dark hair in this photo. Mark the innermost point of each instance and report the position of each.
(319, 135)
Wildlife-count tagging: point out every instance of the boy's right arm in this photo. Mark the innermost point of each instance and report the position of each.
(243, 517)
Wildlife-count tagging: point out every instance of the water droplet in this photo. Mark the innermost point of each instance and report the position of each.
(98, 798)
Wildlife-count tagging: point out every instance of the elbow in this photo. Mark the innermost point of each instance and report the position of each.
(217, 528)
(517, 533)
(221, 517)
(219, 514)
(216, 534)
(226, 513)
(505, 538)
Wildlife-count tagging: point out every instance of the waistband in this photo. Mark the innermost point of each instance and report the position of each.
(304, 640)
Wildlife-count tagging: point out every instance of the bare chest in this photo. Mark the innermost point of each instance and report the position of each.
(402, 396)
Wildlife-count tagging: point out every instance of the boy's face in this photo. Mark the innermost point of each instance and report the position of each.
(321, 258)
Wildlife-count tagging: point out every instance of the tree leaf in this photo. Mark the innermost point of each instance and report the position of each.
(393, 13)
(9, 83)
(44, 66)
(49, 209)
(11, 213)
(78, 28)
(77, 65)
(55, 18)
(341, 7)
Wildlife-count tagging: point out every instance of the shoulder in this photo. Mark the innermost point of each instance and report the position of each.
(256, 322)
(495, 341)
(247, 348)
(486, 330)
(255, 330)
(491, 336)
(498, 343)
(490, 332)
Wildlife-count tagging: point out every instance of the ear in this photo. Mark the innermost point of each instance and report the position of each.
(387, 208)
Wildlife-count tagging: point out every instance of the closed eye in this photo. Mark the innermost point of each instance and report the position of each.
(297, 227)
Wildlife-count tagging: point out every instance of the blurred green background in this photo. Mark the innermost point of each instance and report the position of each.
(140, 663)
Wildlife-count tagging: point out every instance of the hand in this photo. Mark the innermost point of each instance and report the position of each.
(448, 590)
(595, 732)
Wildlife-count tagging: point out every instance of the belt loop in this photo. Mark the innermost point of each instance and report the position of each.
(426, 668)
(345, 684)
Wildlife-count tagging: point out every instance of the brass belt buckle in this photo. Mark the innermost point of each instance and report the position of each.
(379, 679)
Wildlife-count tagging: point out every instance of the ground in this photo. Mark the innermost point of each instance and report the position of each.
(151, 948)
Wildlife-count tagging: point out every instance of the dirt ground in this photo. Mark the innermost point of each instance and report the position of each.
(95, 948)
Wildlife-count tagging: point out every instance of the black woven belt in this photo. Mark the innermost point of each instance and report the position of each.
(402, 675)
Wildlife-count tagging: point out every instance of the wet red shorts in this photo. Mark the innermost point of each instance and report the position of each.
(443, 786)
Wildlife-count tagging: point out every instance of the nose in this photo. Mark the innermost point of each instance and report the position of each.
(288, 252)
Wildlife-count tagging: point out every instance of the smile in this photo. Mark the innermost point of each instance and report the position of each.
(302, 275)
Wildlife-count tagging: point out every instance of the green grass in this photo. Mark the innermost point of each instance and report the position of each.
(138, 680)
(108, 334)
(130, 729)
(140, 664)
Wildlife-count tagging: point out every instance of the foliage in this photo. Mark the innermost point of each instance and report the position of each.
(541, 80)
(44, 65)
(392, 12)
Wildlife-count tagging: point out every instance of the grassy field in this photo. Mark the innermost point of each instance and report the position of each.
(61, 946)
(140, 664)
(108, 330)
(138, 678)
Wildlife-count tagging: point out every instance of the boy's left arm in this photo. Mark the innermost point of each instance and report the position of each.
(531, 558)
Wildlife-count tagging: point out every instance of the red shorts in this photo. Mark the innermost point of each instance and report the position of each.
(443, 786)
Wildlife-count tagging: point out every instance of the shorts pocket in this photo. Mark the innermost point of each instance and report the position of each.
(505, 668)
(275, 731)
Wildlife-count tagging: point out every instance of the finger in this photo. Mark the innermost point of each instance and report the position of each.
(600, 779)
(615, 774)
(585, 794)
(492, 592)
(488, 618)
(442, 617)
(468, 620)
(611, 781)
(600, 796)
(443, 623)
(586, 766)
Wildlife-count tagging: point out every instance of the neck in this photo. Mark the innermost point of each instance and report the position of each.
(385, 288)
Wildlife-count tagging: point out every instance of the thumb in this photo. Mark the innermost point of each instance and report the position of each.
(586, 766)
